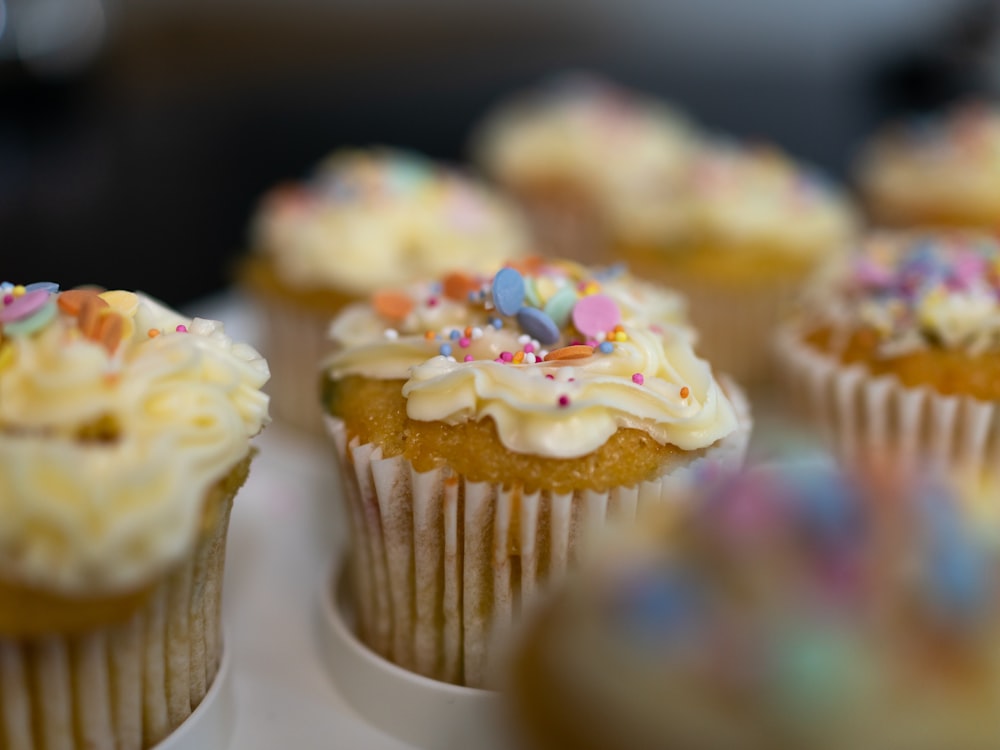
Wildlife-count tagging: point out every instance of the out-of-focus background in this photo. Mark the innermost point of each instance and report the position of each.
(136, 135)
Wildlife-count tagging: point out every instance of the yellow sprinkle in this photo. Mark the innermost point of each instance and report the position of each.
(19, 291)
(518, 358)
(621, 336)
(592, 287)
(123, 302)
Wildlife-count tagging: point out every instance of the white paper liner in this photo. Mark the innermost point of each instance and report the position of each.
(735, 323)
(864, 417)
(294, 341)
(443, 565)
(126, 686)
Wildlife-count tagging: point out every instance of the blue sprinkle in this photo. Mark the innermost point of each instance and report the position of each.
(606, 347)
(455, 335)
(445, 350)
(611, 272)
(496, 322)
(508, 291)
(538, 325)
(48, 286)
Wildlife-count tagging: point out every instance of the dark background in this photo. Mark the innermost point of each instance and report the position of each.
(132, 154)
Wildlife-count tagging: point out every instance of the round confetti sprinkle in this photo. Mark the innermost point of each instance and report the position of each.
(110, 331)
(71, 301)
(577, 351)
(606, 347)
(124, 302)
(34, 322)
(23, 306)
(392, 304)
(459, 286)
(637, 378)
(508, 291)
(560, 305)
(538, 325)
(43, 286)
(595, 314)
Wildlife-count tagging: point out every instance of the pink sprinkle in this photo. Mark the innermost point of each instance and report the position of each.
(592, 342)
(182, 329)
(8, 298)
(464, 341)
(432, 302)
(529, 348)
(506, 356)
(499, 359)
(637, 378)
(550, 376)
(564, 401)
(467, 358)
(595, 314)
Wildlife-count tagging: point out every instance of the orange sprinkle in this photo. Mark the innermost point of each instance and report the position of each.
(89, 318)
(685, 392)
(392, 304)
(619, 328)
(153, 333)
(458, 285)
(429, 335)
(518, 358)
(71, 301)
(468, 332)
(527, 265)
(110, 329)
(577, 351)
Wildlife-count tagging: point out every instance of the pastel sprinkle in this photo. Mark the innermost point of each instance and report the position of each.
(560, 305)
(539, 325)
(459, 286)
(508, 291)
(637, 378)
(23, 306)
(71, 301)
(595, 314)
(606, 347)
(43, 286)
(576, 351)
(19, 290)
(37, 320)
(392, 304)
(124, 302)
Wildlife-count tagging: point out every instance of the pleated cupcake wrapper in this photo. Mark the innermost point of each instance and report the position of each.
(294, 340)
(735, 324)
(864, 418)
(125, 686)
(443, 565)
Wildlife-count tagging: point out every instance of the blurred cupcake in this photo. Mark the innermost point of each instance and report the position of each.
(746, 227)
(124, 435)
(589, 159)
(791, 608)
(896, 350)
(942, 171)
(486, 425)
(365, 220)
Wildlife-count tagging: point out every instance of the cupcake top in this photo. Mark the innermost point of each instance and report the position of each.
(793, 607)
(914, 291)
(116, 416)
(369, 218)
(943, 165)
(625, 150)
(734, 196)
(558, 356)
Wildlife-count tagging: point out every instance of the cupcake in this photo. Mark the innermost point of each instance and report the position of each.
(895, 350)
(791, 608)
(124, 435)
(942, 171)
(486, 425)
(589, 159)
(367, 219)
(746, 228)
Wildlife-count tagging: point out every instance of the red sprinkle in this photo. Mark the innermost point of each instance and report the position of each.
(564, 401)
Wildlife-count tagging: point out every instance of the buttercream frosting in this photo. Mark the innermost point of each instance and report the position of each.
(116, 416)
(368, 218)
(916, 290)
(949, 160)
(616, 355)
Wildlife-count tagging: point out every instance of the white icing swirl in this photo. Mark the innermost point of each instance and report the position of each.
(374, 218)
(89, 517)
(651, 381)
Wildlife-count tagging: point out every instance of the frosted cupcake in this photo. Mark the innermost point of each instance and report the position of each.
(788, 609)
(124, 435)
(896, 349)
(486, 425)
(942, 171)
(589, 159)
(747, 227)
(366, 219)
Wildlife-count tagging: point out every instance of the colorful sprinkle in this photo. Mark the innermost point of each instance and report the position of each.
(459, 286)
(23, 305)
(508, 291)
(596, 314)
(538, 325)
(33, 322)
(606, 347)
(563, 401)
(392, 304)
(153, 333)
(181, 329)
(71, 301)
(685, 392)
(445, 350)
(577, 351)
(506, 356)
(638, 378)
